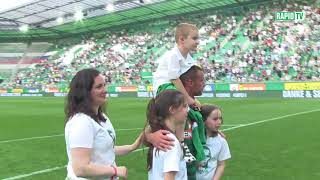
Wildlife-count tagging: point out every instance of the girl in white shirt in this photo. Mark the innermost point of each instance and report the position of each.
(89, 134)
(217, 150)
(167, 111)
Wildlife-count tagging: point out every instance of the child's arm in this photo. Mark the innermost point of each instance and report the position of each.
(219, 171)
(170, 175)
(178, 84)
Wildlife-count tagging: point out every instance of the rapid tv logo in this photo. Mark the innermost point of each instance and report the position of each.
(289, 16)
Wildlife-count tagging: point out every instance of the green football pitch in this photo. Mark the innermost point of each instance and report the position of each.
(269, 139)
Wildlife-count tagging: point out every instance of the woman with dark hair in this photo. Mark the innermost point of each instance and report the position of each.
(167, 111)
(89, 134)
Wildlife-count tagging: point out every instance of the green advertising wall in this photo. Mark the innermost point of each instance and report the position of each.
(274, 86)
(222, 87)
(219, 90)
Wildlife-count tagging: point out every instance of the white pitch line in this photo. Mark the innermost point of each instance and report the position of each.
(34, 173)
(232, 125)
(137, 150)
(55, 135)
(30, 138)
(271, 119)
(228, 129)
(50, 169)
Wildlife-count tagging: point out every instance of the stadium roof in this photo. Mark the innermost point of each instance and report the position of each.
(41, 15)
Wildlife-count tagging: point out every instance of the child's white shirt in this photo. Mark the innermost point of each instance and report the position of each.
(170, 66)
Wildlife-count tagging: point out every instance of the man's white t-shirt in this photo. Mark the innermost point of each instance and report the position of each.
(171, 160)
(82, 131)
(170, 66)
(216, 149)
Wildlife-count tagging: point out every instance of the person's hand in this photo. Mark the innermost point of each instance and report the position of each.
(222, 134)
(122, 172)
(197, 103)
(161, 141)
(196, 106)
(137, 142)
(194, 103)
(191, 101)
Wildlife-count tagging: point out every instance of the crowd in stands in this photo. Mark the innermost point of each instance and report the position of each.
(271, 50)
(245, 45)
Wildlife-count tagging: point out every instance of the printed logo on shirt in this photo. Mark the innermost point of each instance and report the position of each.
(188, 130)
(203, 165)
(194, 125)
(113, 137)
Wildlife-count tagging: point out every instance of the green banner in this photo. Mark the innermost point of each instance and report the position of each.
(63, 90)
(112, 89)
(274, 86)
(25, 90)
(221, 87)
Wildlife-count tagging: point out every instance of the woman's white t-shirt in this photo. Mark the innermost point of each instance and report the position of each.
(171, 160)
(82, 131)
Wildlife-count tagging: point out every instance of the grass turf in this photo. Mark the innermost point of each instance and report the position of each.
(285, 148)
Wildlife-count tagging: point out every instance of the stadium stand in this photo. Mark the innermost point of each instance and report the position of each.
(241, 44)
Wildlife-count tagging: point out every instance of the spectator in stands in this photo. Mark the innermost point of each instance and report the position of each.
(89, 134)
(266, 46)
